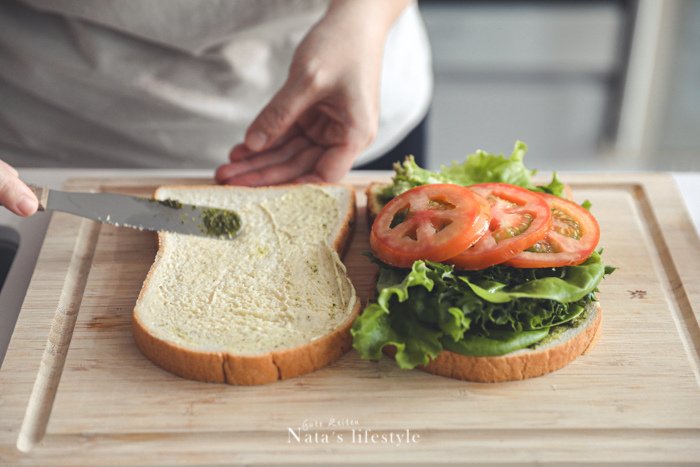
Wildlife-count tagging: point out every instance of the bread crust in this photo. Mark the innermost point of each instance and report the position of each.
(374, 205)
(224, 367)
(518, 365)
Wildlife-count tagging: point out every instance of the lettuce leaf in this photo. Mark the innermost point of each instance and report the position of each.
(497, 344)
(555, 187)
(574, 284)
(480, 167)
(430, 307)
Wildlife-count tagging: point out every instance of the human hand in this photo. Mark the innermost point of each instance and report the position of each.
(14, 194)
(327, 111)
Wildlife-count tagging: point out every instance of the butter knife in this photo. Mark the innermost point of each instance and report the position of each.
(142, 213)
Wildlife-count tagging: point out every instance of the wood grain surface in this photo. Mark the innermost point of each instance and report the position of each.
(74, 389)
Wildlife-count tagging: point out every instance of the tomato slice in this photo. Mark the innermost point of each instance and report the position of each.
(519, 219)
(571, 240)
(432, 222)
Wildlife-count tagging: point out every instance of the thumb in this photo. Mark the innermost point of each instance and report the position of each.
(280, 114)
(15, 195)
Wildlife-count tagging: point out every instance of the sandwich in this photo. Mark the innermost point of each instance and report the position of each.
(483, 275)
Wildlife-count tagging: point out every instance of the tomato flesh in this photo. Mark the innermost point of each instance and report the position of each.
(431, 222)
(519, 219)
(573, 236)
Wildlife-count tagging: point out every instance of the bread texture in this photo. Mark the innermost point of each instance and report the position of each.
(554, 353)
(271, 304)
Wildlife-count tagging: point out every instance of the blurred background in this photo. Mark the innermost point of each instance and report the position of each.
(588, 85)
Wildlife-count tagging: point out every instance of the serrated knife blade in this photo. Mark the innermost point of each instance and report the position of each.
(142, 213)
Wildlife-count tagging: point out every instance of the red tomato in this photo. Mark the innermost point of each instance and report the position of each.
(571, 240)
(432, 222)
(519, 219)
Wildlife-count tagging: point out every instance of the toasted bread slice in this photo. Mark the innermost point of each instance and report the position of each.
(273, 303)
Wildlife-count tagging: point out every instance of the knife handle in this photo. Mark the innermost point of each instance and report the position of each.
(42, 194)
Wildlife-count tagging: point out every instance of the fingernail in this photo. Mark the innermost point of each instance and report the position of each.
(256, 140)
(27, 206)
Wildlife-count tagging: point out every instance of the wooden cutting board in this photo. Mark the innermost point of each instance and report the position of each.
(75, 390)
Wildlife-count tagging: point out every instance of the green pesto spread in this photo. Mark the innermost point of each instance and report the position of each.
(168, 203)
(220, 222)
(555, 332)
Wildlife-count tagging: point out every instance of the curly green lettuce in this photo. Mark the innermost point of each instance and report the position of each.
(433, 307)
(480, 167)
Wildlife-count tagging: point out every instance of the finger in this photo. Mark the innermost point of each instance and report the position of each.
(241, 151)
(15, 195)
(280, 113)
(262, 160)
(288, 171)
(336, 162)
(328, 131)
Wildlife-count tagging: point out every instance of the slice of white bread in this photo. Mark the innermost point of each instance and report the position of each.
(554, 353)
(273, 303)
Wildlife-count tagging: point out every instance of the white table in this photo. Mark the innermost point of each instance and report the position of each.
(32, 229)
